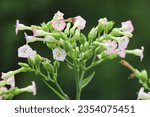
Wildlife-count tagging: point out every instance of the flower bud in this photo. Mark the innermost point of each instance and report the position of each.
(48, 66)
(67, 29)
(92, 34)
(56, 64)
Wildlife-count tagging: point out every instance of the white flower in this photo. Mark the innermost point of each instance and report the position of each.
(79, 22)
(59, 15)
(143, 95)
(59, 54)
(103, 21)
(39, 32)
(10, 81)
(31, 88)
(139, 52)
(26, 51)
(29, 39)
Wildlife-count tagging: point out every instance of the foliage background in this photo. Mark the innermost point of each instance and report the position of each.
(111, 80)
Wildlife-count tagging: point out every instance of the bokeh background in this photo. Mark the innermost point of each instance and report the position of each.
(111, 79)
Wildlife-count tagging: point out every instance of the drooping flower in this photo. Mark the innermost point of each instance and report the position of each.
(59, 15)
(21, 27)
(58, 24)
(127, 26)
(79, 22)
(111, 46)
(143, 95)
(123, 42)
(26, 51)
(59, 54)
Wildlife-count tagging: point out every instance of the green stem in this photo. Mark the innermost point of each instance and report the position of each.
(58, 94)
(78, 91)
(61, 91)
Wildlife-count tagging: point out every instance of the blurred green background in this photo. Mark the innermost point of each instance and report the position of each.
(111, 79)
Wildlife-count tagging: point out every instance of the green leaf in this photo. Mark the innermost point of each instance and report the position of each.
(83, 83)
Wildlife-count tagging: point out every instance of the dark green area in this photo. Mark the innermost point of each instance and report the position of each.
(111, 79)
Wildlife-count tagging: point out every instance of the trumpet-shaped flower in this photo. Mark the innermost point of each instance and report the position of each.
(10, 81)
(59, 54)
(79, 22)
(21, 27)
(26, 51)
(58, 24)
(31, 88)
(29, 39)
(143, 95)
(127, 26)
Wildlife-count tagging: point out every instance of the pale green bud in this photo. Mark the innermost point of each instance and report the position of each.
(92, 34)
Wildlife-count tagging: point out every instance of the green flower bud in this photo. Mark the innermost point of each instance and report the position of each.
(67, 29)
(109, 26)
(87, 55)
(25, 65)
(82, 39)
(92, 34)
(67, 45)
(37, 59)
(47, 66)
(116, 32)
(77, 34)
(141, 75)
(56, 64)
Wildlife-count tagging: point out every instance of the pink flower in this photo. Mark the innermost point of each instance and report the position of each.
(10, 81)
(58, 24)
(21, 27)
(127, 26)
(79, 22)
(123, 42)
(26, 51)
(111, 46)
(59, 15)
(121, 52)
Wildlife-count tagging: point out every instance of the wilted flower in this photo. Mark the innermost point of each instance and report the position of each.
(127, 26)
(21, 27)
(79, 22)
(59, 54)
(143, 95)
(26, 51)
(58, 24)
